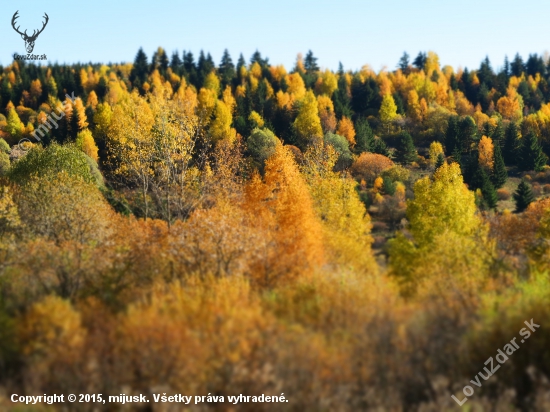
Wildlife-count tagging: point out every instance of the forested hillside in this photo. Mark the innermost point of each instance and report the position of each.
(356, 240)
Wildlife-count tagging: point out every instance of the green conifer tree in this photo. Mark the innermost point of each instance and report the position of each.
(498, 135)
(440, 160)
(452, 137)
(511, 144)
(499, 175)
(489, 193)
(523, 196)
(531, 156)
(406, 151)
(364, 137)
(380, 147)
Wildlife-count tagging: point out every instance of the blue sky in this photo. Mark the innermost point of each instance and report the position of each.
(355, 32)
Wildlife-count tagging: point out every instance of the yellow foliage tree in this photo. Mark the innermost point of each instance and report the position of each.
(486, 153)
(346, 223)
(85, 142)
(413, 106)
(221, 125)
(327, 83)
(388, 110)
(211, 82)
(444, 226)
(435, 150)
(296, 86)
(256, 119)
(307, 123)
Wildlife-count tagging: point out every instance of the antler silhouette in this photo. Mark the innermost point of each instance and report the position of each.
(15, 16)
(35, 33)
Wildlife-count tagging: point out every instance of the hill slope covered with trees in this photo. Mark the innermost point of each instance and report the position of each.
(352, 239)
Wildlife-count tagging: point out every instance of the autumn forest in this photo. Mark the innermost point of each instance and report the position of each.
(356, 240)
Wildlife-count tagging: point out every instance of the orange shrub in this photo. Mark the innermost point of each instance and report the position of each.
(369, 165)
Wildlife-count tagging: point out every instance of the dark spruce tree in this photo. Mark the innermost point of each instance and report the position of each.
(453, 82)
(489, 193)
(452, 136)
(159, 61)
(226, 69)
(310, 62)
(468, 133)
(439, 161)
(190, 69)
(380, 147)
(240, 64)
(176, 63)
(140, 69)
(499, 175)
(511, 144)
(420, 61)
(312, 69)
(404, 63)
(364, 136)
(342, 101)
(523, 196)
(205, 65)
(477, 174)
(457, 156)
(480, 180)
(498, 135)
(406, 151)
(487, 130)
(531, 156)
(516, 67)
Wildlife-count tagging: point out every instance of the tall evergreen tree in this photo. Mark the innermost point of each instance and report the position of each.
(406, 151)
(480, 180)
(531, 156)
(404, 63)
(159, 61)
(478, 175)
(138, 74)
(205, 65)
(310, 62)
(420, 60)
(511, 144)
(506, 67)
(523, 196)
(468, 133)
(453, 82)
(499, 175)
(487, 129)
(452, 136)
(457, 155)
(240, 64)
(364, 136)
(226, 69)
(190, 68)
(498, 135)
(485, 73)
(516, 67)
(380, 147)
(342, 102)
(176, 63)
(257, 58)
(439, 161)
(489, 193)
